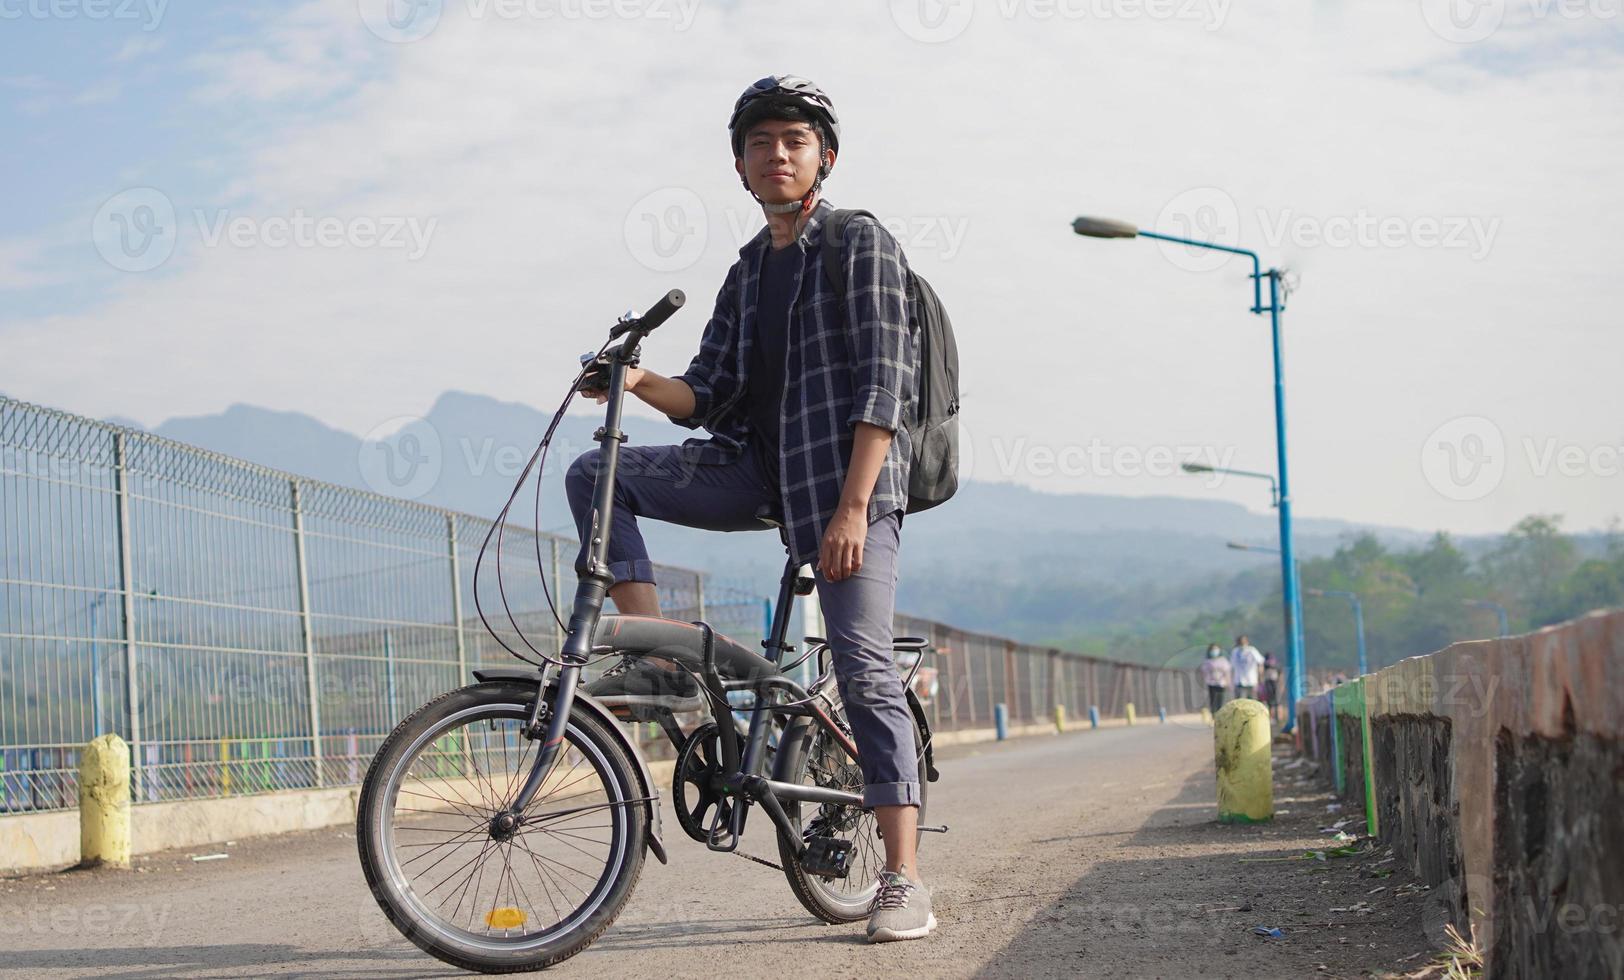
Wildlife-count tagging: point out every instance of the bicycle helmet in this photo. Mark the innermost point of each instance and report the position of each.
(774, 94)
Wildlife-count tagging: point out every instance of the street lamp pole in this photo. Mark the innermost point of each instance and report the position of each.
(1290, 598)
(1358, 619)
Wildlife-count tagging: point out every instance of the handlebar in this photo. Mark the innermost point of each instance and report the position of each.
(669, 303)
(659, 313)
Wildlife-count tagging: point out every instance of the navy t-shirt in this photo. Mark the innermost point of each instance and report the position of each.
(776, 290)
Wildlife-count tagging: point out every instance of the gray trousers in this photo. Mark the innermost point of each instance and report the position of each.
(657, 483)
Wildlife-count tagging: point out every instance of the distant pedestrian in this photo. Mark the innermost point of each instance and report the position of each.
(1270, 690)
(1246, 663)
(1215, 674)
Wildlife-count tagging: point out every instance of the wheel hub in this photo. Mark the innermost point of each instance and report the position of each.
(503, 826)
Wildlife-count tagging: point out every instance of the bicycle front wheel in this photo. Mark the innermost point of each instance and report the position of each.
(463, 887)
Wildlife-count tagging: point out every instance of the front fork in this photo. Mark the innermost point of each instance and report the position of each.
(547, 722)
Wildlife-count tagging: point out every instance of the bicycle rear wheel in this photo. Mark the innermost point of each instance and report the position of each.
(479, 895)
(813, 757)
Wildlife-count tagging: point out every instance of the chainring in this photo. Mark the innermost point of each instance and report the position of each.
(695, 783)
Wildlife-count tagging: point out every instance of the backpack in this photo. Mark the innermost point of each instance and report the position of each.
(933, 471)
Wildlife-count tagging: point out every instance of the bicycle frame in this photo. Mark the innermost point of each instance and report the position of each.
(746, 780)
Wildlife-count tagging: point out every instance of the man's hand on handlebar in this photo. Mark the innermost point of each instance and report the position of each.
(601, 395)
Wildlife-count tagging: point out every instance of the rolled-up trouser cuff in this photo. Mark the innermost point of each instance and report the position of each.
(632, 570)
(891, 794)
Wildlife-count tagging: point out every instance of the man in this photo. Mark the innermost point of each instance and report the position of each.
(1245, 661)
(804, 397)
(1216, 675)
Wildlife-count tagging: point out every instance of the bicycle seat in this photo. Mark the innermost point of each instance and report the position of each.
(679, 641)
(771, 514)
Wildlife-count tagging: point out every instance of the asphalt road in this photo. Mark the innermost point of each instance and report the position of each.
(1087, 854)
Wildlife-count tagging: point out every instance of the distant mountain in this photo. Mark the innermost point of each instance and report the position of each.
(1000, 557)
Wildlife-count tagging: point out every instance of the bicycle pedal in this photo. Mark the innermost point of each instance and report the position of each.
(827, 857)
(934, 830)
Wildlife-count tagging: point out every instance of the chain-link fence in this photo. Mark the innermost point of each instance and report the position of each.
(244, 629)
(248, 630)
(971, 673)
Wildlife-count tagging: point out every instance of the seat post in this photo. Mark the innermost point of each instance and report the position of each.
(774, 645)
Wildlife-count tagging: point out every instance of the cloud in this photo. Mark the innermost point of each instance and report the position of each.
(18, 265)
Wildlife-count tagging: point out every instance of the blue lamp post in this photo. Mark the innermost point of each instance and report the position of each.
(1358, 619)
(1292, 601)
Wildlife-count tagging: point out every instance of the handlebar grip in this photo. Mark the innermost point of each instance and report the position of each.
(660, 312)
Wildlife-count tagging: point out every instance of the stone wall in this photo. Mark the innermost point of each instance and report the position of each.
(1496, 771)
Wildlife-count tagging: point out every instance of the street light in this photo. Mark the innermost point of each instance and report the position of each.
(1274, 488)
(1106, 228)
(1499, 610)
(1358, 618)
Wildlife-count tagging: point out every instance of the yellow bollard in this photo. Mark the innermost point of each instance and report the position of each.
(1206, 716)
(1059, 717)
(104, 802)
(1129, 712)
(1245, 782)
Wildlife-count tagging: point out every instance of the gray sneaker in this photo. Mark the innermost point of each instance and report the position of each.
(901, 910)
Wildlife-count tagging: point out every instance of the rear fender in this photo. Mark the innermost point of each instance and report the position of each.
(649, 789)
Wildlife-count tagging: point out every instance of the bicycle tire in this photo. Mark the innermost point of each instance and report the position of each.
(383, 858)
(799, 744)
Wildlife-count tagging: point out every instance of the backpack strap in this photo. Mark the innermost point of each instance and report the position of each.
(834, 239)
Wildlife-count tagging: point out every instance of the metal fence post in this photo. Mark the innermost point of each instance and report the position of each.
(307, 635)
(1053, 699)
(1011, 676)
(456, 598)
(126, 587)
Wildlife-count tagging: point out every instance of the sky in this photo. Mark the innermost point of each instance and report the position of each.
(347, 208)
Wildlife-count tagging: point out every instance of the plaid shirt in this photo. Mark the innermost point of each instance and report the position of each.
(841, 369)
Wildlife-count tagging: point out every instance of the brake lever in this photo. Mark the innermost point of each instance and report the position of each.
(596, 366)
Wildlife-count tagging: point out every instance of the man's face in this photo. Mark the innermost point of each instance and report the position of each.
(781, 160)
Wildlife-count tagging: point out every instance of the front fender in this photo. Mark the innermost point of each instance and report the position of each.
(649, 788)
